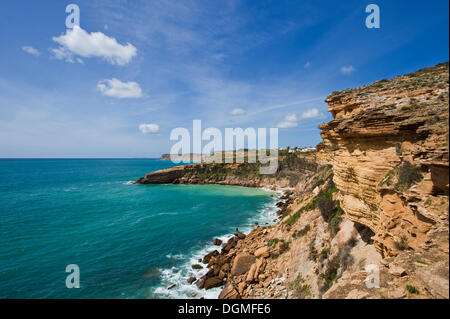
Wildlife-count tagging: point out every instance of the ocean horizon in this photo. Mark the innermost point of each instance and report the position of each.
(129, 241)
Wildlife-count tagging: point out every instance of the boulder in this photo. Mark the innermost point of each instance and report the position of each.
(242, 264)
(171, 286)
(241, 286)
(209, 255)
(397, 293)
(251, 273)
(263, 252)
(225, 267)
(213, 282)
(231, 243)
(190, 280)
(217, 242)
(216, 270)
(212, 261)
(200, 283)
(357, 294)
(229, 292)
(239, 235)
(397, 271)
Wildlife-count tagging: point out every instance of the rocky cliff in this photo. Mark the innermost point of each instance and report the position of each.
(388, 145)
(375, 196)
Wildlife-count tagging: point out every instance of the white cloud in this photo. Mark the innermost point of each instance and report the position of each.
(348, 69)
(95, 44)
(237, 112)
(149, 128)
(307, 64)
(31, 50)
(119, 89)
(311, 114)
(289, 121)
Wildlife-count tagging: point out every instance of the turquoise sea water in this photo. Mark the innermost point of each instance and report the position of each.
(130, 241)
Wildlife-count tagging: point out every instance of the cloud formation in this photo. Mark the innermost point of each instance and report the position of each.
(311, 114)
(77, 42)
(348, 69)
(149, 128)
(237, 112)
(290, 121)
(118, 89)
(31, 50)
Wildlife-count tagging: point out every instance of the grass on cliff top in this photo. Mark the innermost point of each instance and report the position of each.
(434, 76)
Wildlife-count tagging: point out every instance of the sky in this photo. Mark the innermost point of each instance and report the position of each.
(132, 71)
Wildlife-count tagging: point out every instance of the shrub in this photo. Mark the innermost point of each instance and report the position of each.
(407, 174)
(313, 254)
(335, 219)
(302, 232)
(398, 148)
(272, 241)
(300, 289)
(273, 255)
(326, 207)
(402, 244)
(331, 274)
(324, 254)
(323, 195)
(412, 289)
(387, 180)
(284, 246)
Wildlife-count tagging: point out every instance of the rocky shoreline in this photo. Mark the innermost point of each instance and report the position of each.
(220, 265)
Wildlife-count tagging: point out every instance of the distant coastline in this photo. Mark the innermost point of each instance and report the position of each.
(190, 157)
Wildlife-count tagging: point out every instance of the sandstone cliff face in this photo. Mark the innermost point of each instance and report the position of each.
(388, 145)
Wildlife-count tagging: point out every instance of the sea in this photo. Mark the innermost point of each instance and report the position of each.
(127, 240)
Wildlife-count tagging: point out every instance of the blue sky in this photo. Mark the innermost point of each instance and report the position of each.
(166, 63)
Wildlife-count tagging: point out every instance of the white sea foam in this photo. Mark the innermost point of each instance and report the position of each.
(177, 256)
(179, 275)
